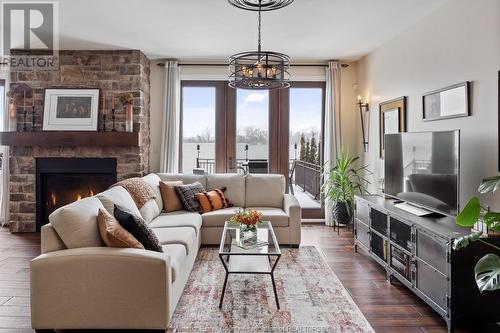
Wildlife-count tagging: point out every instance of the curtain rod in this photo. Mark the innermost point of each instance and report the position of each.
(225, 65)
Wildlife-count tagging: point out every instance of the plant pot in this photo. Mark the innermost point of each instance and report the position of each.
(341, 213)
(248, 234)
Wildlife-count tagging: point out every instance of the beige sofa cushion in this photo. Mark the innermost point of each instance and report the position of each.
(185, 236)
(154, 181)
(234, 184)
(218, 217)
(177, 254)
(185, 178)
(76, 223)
(153, 207)
(179, 218)
(265, 190)
(120, 197)
(277, 216)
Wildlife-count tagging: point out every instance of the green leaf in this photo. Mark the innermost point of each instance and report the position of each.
(469, 215)
(462, 242)
(487, 273)
(492, 220)
(489, 184)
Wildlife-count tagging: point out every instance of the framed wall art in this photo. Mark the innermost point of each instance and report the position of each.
(72, 109)
(448, 102)
(392, 119)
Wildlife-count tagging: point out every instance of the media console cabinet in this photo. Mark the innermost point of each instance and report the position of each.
(417, 251)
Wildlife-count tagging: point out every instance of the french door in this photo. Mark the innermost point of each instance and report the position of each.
(223, 128)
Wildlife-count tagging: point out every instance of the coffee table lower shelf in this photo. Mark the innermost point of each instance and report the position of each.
(249, 264)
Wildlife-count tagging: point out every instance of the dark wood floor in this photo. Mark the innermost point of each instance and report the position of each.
(388, 308)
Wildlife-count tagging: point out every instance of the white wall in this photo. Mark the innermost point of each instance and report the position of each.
(348, 100)
(458, 42)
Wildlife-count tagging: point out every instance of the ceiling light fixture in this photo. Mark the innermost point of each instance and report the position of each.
(259, 69)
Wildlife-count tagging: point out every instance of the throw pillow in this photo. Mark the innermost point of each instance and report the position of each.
(187, 193)
(171, 201)
(113, 234)
(212, 200)
(139, 229)
(76, 223)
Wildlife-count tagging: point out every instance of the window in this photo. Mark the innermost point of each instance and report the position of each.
(198, 128)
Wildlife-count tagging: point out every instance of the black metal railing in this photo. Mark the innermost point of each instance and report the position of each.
(308, 177)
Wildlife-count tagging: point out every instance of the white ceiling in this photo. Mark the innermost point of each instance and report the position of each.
(307, 30)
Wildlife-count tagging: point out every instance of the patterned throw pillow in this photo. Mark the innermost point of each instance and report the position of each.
(113, 234)
(212, 200)
(139, 229)
(187, 194)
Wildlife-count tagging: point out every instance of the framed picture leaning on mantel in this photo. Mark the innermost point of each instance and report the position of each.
(392, 119)
(446, 103)
(70, 109)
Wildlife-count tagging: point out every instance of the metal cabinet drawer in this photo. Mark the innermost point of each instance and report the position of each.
(432, 250)
(363, 234)
(363, 212)
(432, 283)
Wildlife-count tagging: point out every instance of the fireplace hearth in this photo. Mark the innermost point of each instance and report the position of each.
(60, 181)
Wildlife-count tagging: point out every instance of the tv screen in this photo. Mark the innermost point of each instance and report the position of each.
(423, 169)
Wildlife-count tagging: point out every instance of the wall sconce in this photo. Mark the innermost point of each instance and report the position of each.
(364, 108)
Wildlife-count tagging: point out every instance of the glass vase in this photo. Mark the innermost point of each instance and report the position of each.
(248, 234)
(129, 118)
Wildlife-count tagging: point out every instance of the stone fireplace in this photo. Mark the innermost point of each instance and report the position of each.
(60, 181)
(110, 71)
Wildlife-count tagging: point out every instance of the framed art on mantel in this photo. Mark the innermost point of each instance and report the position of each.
(70, 109)
(448, 102)
(392, 118)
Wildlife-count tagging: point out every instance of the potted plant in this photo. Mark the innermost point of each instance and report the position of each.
(127, 100)
(487, 270)
(342, 182)
(247, 220)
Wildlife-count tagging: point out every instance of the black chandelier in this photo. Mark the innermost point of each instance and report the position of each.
(259, 69)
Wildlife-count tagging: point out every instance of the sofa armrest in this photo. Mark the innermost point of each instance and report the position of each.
(292, 208)
(101, 288)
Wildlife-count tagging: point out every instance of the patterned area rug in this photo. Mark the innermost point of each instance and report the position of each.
(312, 298)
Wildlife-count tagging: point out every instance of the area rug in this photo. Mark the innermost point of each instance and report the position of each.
(312, 299)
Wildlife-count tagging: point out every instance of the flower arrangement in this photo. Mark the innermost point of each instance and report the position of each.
(247, 217)
(126, 98)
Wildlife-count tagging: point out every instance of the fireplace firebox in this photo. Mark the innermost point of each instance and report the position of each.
(60, 181)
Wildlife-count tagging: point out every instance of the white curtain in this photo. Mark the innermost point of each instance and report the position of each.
(169, 159)
(332, 124)
(4, 172)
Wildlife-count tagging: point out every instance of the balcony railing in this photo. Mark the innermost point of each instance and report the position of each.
(308, 177)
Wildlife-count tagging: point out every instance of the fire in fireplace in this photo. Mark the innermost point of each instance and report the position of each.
(60, 181)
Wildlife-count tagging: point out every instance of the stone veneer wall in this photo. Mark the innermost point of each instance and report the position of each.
(110, 71)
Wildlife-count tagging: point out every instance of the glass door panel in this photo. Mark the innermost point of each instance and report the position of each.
(305, 143)
(252, 131)
(198, 128)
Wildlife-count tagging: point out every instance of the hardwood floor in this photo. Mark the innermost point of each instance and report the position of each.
(388, 308)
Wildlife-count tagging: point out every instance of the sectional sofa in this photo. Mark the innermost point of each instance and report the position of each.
(78, 283)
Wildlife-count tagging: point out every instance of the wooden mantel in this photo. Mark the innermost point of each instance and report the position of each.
(70, 139)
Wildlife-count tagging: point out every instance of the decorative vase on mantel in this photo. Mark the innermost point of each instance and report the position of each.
(129, 118)
(13, 116)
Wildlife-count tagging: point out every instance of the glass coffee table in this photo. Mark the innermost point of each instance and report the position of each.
(238, 259)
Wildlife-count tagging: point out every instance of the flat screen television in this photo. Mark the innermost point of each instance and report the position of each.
(423, 169)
